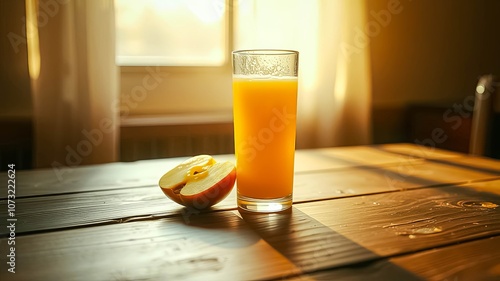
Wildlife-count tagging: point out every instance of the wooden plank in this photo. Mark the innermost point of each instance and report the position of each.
(473, 163)
(214, 246)
(409, 152)
(90, 178)
(426, 151)
(65, 179)
(476, 260)
(413, 220)
(345, 157)
(405, 175)
(115, 205)
(486, 186)
(378, 270)
(311, 237)
(94, 177)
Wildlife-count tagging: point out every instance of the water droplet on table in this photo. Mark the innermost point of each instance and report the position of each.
(476, 204)
(412, 234)
(488, 205)
(427, 230)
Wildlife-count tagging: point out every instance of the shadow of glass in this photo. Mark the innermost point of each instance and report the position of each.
(314, 247)
(223, 229)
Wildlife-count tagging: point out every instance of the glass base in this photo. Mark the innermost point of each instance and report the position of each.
(264, 205)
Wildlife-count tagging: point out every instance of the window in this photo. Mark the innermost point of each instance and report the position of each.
(171, 32)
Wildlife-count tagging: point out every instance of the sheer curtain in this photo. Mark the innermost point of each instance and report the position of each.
(74, 82)
(334, 69)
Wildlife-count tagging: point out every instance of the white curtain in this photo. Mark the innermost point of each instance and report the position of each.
(74, 82)
(334, 65)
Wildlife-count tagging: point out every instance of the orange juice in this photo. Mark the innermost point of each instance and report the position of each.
(264, 119)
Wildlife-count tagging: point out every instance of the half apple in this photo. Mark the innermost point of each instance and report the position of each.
(199, 182)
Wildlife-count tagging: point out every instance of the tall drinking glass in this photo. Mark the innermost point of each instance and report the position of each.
(264, 108)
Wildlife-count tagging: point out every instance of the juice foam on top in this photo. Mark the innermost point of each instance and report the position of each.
(263, 77)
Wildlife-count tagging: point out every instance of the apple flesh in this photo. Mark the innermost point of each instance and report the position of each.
(199, 182)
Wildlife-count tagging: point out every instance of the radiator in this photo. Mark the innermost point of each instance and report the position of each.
(138, 142)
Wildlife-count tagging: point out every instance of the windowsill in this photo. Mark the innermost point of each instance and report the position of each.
(177, 119)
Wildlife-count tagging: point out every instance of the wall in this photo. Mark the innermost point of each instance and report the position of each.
(15, 99)
(432, 53)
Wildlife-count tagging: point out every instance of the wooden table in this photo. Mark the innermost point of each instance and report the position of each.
(397, 211)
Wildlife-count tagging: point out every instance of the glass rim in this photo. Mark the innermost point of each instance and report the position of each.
(260, 52)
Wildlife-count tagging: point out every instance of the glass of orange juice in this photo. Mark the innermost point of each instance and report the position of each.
(264, 109)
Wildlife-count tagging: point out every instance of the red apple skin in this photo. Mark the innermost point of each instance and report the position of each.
(209, 197)
(212, 195)
(170, 194)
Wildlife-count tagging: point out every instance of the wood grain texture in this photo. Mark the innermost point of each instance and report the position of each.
(117, 205)
(387, 212)
(378, 270)
(476, 260)
(66, 179)
(413, 220)
(418, 151)
(101, 177)
(213, 246)
(492, 186)
(227, 245)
